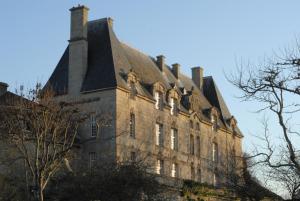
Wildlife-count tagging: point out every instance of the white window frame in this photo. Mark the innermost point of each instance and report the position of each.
(159, 167)
(215, 152)
(174, 170)
(159, 134)
(173, 103)
(215, 182)
(174, 139)
(214, 121)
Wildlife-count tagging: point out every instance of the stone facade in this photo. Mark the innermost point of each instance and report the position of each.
(132, 97)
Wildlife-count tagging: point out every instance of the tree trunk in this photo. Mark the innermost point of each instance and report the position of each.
(40, 194)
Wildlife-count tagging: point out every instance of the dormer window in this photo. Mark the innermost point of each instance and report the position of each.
(214, 121)
(174, 107)
(131, 82)
(158, 100)
(133, 90)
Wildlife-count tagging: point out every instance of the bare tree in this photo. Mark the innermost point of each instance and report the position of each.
(275, 86)
(42, 131)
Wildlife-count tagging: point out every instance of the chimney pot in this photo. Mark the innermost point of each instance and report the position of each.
(176, 70)
(3, 88)
(160, 62)
(197, 76)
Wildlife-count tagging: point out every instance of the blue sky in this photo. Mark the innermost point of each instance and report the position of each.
(212, 34)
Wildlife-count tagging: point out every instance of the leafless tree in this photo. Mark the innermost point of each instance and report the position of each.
(42, 131)
(275, 86)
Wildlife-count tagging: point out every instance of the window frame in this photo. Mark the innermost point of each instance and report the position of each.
(159, 100)
(93, 126)
(159, 167)
(159, 138)
(174, 139)
(174, 170)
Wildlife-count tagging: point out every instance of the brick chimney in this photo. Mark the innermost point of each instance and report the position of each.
(176, 70)
(78, 49)
(197, 76)
(3, 88)
(160, 62)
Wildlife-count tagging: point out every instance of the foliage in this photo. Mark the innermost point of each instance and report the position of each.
(126, 182)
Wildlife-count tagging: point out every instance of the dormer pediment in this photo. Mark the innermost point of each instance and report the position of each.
(132, 77)
(159, 87)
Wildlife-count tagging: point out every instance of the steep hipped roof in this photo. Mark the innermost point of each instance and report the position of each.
(109, 61)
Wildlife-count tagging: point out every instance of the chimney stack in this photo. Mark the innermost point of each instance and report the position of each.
(3, 88)
(78, 48)
(176, 70)
(160, 62)
(110, 21)
(197, 76)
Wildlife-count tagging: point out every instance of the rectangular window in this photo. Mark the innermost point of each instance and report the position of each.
(198, 146)
(199, 175)
(174, 170)
(92, 160)
(174, 139)
(192, 173)
(214, 121)
(173, 104)
(192, 149)
(158, 134)
(215, 180)
(133, 156)
(132, 125)
(215, 152)
(158, 96)
(197, 126)
(159, 167)
(93, 126)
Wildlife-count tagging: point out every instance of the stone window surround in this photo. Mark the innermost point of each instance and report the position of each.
(173, 95)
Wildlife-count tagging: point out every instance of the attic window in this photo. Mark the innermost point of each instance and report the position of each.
(158, 100)
(174, 106)
(214, 121)
(133, 90)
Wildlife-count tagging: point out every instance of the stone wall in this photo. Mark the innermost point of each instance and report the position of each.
(144, 146)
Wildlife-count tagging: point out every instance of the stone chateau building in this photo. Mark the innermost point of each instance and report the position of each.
(143, 109)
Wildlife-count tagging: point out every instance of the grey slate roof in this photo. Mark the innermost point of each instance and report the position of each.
(109, 60)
